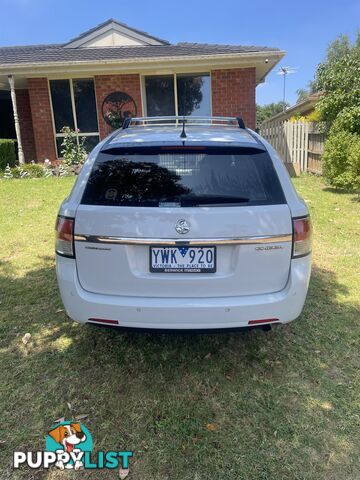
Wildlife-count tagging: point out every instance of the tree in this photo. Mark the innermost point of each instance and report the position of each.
(338, 49)
(335, 51)
(302, 94)
(264, 112)
(339, 78)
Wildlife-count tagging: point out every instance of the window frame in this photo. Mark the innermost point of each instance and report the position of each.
(73, 108)
(176, 100)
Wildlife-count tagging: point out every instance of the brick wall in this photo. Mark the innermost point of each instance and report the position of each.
(233, 94)
(41, 119)
(26, 126)
(105, 84)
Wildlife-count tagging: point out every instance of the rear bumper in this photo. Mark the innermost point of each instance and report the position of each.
(183, 313)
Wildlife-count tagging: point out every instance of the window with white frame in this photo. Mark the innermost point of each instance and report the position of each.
(178, 94)
(74, 106)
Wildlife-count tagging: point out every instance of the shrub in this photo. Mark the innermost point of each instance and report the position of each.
(336, 159)
(297, 118)
(354, 160)
(63, 170)
(341, 158)
(34, 170)
(37, 170)
(314, 116)
(18, 172)
(7, 153)
(72, 149)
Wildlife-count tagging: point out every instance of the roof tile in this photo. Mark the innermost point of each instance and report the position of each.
(57, 53)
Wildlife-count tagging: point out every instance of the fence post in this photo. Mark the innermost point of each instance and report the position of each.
(306, 152)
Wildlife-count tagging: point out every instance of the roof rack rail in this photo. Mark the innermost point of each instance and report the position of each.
(237, 122)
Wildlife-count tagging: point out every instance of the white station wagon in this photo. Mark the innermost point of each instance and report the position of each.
(183, 224)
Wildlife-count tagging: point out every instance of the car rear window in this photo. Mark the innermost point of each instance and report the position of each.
(182, 178)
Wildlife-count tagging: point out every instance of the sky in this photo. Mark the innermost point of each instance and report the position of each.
(302, 29)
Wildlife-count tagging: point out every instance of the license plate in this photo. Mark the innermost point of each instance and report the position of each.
(183, 259)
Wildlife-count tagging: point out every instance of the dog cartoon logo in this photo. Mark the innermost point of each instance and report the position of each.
(69, 445)
(69, 440)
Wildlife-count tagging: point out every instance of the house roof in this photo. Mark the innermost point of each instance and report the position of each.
(57, 53)
(300, 107)
(112, 22)
(131, 51)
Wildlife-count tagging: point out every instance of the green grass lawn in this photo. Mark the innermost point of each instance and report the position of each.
(282, 404)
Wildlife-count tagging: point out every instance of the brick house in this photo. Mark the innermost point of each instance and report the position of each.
(112, 71)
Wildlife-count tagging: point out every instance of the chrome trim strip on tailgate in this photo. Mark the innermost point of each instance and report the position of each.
(175, 241)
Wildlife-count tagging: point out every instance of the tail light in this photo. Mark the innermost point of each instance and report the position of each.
(301, 236)
(64, 244)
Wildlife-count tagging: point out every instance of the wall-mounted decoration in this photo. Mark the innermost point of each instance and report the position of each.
(116, 107)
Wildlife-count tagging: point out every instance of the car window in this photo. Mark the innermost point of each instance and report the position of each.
(176, 178)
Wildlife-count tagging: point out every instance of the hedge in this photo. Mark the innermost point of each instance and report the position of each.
(7, 153)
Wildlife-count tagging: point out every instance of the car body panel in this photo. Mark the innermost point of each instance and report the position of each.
(124, 269)
(184, 313)
(250, 282)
